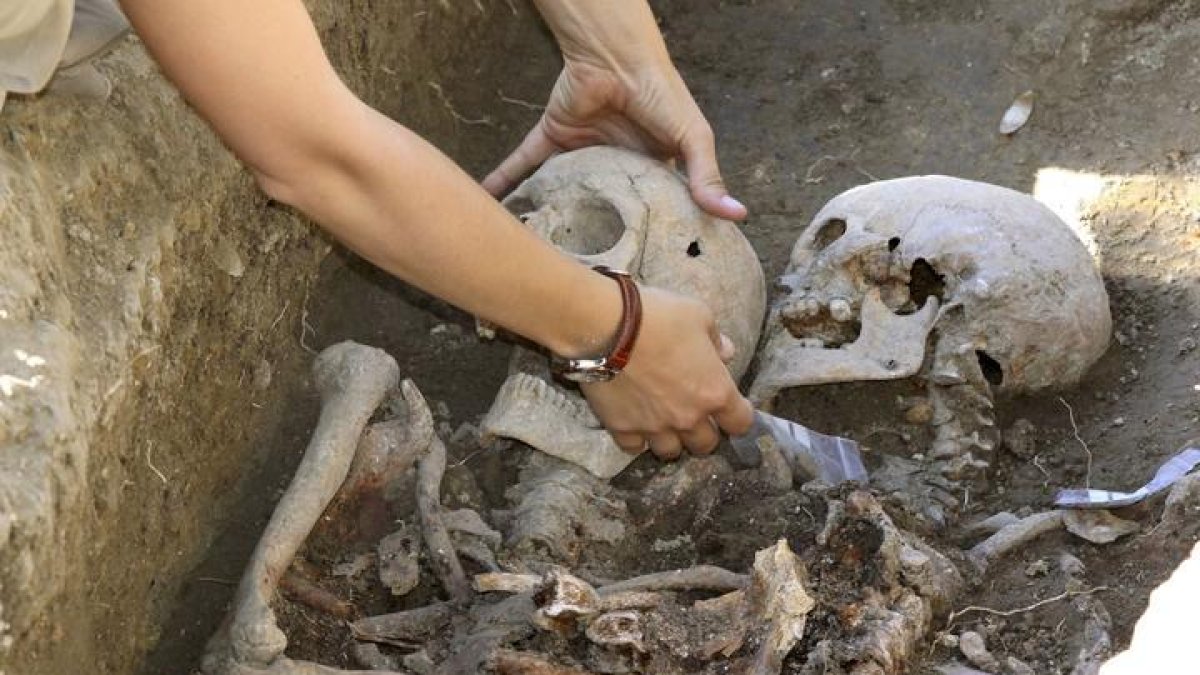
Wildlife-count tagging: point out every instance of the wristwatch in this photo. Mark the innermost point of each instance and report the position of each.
(605, 368)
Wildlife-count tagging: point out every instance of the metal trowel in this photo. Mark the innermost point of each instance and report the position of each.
(832, 459)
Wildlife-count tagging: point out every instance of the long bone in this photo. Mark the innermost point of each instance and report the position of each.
(352, 380)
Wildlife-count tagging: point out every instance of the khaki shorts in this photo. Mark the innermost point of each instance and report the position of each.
(39, 36)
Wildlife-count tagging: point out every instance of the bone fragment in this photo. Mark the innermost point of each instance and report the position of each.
(698, 578)
(512, 662)
(507, 582)
(352, 380)
(631, 600)
(890, 347)
(780, 601)
(304, 590)
(992, 524)
(563, 600)
(442, 556)
(561, 507)
(404, 629)
(1012, 536)
(621, 628)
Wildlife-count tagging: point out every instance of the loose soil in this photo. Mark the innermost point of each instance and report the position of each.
(809, 99)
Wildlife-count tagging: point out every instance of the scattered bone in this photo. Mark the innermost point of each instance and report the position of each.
(352, 380)
(507, 582)
(442, 556)
(368, 655)
(990, 525)
(612, 207)
(409, 628)
(305, 591)
(698, 578)
(1014, 536)
(621, 628)
(1098, 526)
(564, 599)
(972, 646)
(399, 566)
(780, 603)
(561, 507)
(512, 662)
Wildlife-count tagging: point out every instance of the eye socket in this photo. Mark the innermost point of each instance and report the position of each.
(829, 232)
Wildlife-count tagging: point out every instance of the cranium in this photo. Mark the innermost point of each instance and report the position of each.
(1011, 296)
(612, 207)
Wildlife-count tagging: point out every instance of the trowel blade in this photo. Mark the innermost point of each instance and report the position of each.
(832, 459)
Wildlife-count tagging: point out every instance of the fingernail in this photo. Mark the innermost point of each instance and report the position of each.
(732, 204)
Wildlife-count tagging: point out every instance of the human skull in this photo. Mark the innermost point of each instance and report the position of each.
(613, 207)
(1009, 290)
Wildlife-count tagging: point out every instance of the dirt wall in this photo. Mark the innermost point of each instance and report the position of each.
(152, 302)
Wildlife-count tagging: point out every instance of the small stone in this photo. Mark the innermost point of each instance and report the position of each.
(921, 412)
(949, 641)
(1070, 565)
(1037, 568)
(1186, 345)
(972, 646)
(1119, 422)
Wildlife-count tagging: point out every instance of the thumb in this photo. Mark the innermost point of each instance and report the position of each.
(727, 350)
(704, 176)
(535, 149)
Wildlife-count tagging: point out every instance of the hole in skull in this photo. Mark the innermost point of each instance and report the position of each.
(592, 227)
(693, 249)
(830, 231)
(924, 282)
(893, 243)
(992, 372)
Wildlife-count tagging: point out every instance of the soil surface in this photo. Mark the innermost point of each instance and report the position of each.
(809, 99)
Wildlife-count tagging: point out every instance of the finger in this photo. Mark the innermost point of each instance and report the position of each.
(703, 439)
(634, 444)
(704, 176)
(666, 446)
(535, 149)
(735, 417)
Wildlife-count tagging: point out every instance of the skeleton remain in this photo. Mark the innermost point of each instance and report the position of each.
(971, 287)
(617, 208)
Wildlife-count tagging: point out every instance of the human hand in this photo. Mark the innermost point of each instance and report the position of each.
(676, 392)
(649, 110)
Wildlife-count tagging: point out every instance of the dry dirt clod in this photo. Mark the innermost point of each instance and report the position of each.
(972, 646)
(353, 380)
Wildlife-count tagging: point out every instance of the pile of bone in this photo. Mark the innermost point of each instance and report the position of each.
(883, 272)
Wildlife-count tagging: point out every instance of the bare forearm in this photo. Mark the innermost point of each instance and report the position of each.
(403, 205)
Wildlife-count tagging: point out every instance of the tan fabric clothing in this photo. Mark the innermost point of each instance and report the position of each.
(37, 37)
